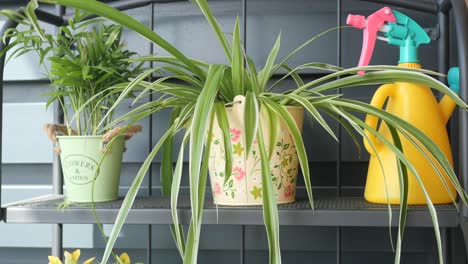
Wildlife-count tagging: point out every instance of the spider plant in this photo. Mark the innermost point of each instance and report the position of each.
(197, 91)
(86, 58)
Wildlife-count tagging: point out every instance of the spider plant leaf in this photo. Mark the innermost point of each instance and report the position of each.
(173, 89)
(140, 112)
(428, 144)
(193, 237)
(186, 116)
(182, 74)
(106, 11)
(307, 42)
(202, 111)
(169, 60)
(297, 79)
(351, 121)
(297, 139)
(123, 95)
(386, 76)
(175, 188)
(273, 128)
(224, 126)
(205, 8)
(403, 183)
(270, 209)
(313, 111)
(130, 197)
(251, 120)
(163, 85)
(347, 127)
(253, 81)
(382, 69)
(251, 64)
(322, 99)
(312, 65)
(428, 156)
(166, 172)
(267, 71)
(237, 65)
(401, 158)
(178, 91)
(226, 91)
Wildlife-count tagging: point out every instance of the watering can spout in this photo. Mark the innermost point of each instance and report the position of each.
(447, 105)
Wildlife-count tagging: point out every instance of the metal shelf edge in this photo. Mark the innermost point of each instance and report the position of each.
(370, 217)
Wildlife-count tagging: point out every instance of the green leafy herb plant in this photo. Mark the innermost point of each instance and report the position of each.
(86, 58)
(197, 91)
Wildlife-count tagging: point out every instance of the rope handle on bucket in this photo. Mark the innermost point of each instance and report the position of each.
(54, 130)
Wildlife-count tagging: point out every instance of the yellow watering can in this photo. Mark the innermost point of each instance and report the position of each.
(411, 102)
(417, 105)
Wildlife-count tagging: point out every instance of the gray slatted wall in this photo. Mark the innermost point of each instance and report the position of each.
(28, 156)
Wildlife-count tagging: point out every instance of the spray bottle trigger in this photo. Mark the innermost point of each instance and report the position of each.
(374, 23)
(356, 21)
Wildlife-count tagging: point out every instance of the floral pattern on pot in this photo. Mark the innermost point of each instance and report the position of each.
(244, 187)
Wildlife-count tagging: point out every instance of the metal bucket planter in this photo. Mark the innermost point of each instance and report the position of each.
(245, 184)
(80, 157)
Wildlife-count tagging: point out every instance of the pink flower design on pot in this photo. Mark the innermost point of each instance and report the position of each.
(288, 192)
(238, 173)
(235, 134)
(217, 189)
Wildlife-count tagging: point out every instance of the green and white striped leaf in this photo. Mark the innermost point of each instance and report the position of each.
(251, 120)
(176, 228)
(223, 122)
(166, 172)
(193, 237)
(265, 74)
(270, 209)
(237, 66)
(313, 111)
(203, 110)
(130, 197)
(204, 7)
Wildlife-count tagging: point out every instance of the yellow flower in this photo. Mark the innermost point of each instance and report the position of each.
(89, 261)
(72, 258)
(54, 260)
(124, 258)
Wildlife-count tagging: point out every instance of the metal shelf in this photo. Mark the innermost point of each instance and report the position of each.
(335, 211)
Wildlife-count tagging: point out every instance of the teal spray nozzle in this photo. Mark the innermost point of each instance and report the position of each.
(398, 29)
(407, 34)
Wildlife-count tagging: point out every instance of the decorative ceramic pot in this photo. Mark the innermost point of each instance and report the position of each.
(245, 184)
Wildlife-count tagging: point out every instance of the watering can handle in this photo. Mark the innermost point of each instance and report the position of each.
(384, 91)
